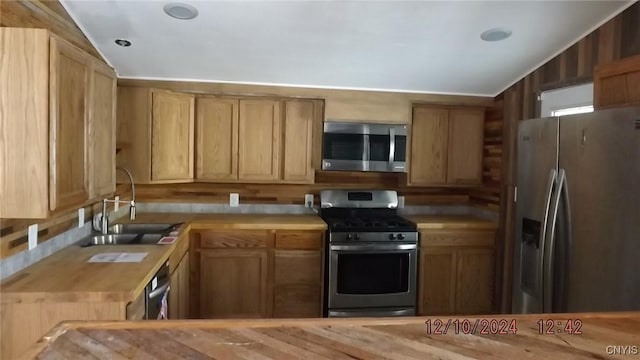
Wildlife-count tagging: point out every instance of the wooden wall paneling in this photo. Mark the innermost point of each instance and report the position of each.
(619, 38)
(44, 14)
(26, 54)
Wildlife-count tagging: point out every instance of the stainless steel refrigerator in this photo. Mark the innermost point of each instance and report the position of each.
(577, 242)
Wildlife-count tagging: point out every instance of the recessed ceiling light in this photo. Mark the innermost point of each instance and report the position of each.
(496, 34)
(180, 11)
(123, 42)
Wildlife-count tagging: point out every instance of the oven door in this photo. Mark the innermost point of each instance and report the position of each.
(372, 276)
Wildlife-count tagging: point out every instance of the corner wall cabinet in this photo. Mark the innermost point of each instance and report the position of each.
(456, 272)
(446, 145)
(156, 135)
(58, 124)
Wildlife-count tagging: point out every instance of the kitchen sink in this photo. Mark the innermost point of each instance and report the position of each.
(122, 239)
(141, 228)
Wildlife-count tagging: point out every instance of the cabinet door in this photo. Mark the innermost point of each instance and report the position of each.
(436, 281)
(233, 283)
(102, 127)
(298, 142)
(474, 284)
(259, 140)
(466, 136)
(68, 88)
(179, 293)
(297, 283)
(216, 139)
(172, 136)
(429, 136)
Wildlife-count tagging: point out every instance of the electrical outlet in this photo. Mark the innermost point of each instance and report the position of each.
(400, 202)
(308, 200)
(116, 205)
(33, 236)
(234, 199)
(80, 217)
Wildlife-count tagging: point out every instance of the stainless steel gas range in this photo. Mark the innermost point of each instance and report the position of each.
(371, 255)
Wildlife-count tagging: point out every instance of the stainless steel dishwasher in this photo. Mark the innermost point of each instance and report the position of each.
(157, 295)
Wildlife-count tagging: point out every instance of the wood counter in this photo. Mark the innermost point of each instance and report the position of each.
(237, 221)
(381, 338)
(449, 222)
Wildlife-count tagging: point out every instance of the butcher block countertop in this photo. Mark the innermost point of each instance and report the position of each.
(595, 336)
(66, 276)
(449, 222)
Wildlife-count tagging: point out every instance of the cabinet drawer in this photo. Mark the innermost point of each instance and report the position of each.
(457, 238)
(235, 239)
(299, 240)
(135, 309)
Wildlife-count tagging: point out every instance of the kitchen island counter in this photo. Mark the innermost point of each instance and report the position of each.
(595, 336)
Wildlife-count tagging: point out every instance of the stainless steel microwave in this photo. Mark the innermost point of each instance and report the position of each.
(364, 147)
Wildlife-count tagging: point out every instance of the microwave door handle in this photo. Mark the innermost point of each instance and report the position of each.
(392, 147)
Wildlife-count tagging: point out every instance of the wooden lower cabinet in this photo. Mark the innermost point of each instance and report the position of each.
(297, 283)
(456, 279)
(474, 281)
(179, 293)
(233, 283)
(256, 274)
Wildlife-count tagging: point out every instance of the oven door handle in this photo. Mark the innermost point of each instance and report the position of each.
(374, 247)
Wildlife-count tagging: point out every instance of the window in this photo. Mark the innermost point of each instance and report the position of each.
(567, 101)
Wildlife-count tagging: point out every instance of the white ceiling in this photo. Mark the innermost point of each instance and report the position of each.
(413, 46)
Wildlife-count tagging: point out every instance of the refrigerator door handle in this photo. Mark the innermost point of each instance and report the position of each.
(553, 174)
(549, 249)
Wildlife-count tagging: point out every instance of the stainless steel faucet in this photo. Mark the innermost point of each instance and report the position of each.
(104, 221)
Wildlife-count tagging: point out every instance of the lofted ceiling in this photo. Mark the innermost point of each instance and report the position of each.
(411, 46)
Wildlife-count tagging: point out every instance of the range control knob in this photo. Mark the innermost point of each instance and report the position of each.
(392, 237)
(400, 236)
(357, 236)
(349, 236)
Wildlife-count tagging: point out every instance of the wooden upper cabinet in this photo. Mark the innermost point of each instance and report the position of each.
(69, 84)
(259, 133)
(617, 83)
(57, 122)
(155, 132)
(216, 139)
(429, 140)
(172, 136)
(102, 127)
(466, 137)
(24, 120)
(446, 146)
(298, 141)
